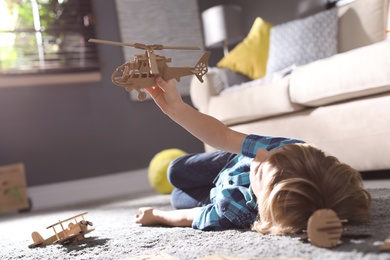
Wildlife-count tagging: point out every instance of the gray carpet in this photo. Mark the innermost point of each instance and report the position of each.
(117, 237)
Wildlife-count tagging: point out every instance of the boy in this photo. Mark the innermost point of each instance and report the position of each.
(273, 184)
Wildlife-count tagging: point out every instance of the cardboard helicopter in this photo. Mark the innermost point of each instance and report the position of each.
(140, 73)
(72, 234)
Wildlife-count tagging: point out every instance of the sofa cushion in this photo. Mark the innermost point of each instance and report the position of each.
(360, 72)
(252, 101)
(302, 41)
(356, 132)
(250, 56)
(361, 23)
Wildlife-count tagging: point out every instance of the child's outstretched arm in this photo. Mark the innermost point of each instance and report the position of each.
(206, 128)
(174, 218)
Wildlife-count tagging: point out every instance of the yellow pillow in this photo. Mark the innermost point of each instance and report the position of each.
(250, 56)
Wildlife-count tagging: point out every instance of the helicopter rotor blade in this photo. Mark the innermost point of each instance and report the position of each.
(193, 48)
(152, 62)
(144, 46)
(111, 42)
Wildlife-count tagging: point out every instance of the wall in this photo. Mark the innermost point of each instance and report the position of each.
(67, 132)
(273, 11)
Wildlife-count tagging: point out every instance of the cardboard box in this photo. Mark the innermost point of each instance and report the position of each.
(13, 188)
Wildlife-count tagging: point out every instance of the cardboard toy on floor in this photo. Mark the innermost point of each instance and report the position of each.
(324, 228)
(13, 188)
(386, 245)
(74, 233)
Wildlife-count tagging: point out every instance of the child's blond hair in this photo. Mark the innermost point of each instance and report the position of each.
(304, 179)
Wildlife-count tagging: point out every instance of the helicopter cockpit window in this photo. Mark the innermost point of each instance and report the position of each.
(39, 37)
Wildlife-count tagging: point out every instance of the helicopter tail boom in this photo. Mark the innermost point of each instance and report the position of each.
(200, 68)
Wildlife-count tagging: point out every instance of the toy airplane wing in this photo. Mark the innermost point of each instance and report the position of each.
(65, 220)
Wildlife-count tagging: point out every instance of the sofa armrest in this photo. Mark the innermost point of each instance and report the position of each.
(214, 81)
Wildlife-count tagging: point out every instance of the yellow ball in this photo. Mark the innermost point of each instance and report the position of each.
(158, 166)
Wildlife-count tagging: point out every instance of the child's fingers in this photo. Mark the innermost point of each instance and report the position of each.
(137, 217)
(165, 85)
(154, 91)
(151, 90)
(160, 82)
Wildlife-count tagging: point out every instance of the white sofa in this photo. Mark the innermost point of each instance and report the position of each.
(339, 103)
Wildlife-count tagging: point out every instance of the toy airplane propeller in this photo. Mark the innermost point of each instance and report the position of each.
(140, 73)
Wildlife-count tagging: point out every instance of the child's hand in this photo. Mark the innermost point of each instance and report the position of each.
(165, 95)
(145, 217)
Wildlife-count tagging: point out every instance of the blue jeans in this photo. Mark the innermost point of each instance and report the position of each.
(192, 175)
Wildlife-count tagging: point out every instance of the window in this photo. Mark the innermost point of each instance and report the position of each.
(46, 37)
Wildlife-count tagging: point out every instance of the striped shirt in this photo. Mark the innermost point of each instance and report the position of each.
(233, 204)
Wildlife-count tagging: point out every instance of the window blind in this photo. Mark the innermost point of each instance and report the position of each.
(47, 36)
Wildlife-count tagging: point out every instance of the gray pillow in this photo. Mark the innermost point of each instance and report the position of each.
(234, 78)
(302, 41)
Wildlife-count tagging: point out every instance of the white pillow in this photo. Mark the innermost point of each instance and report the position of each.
(302, 41)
